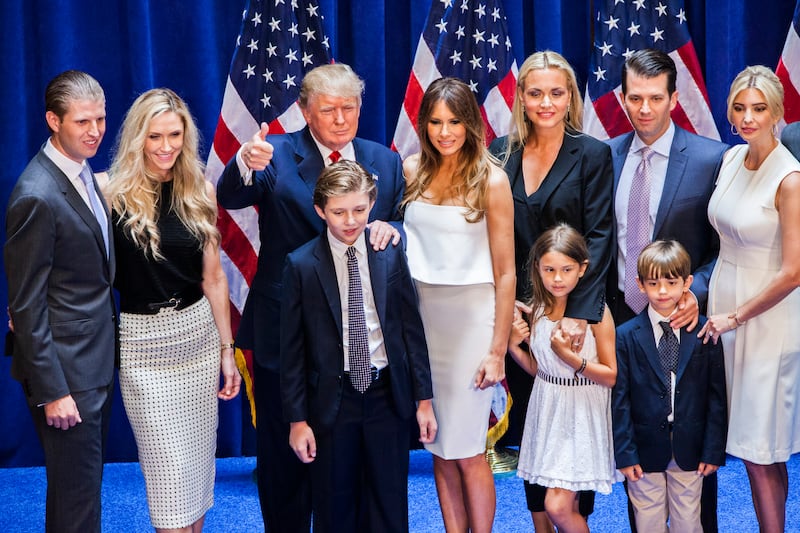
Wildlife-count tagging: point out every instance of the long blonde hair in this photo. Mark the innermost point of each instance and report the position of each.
(134, 191)
(474, 161)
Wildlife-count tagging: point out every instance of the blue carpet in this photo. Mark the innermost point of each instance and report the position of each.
(22, 495)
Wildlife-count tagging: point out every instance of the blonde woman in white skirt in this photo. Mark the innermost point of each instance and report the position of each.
(175, 332)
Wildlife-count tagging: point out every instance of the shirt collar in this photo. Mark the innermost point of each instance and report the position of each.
(339, 249)
(348, 151)
(661, 146)
(656, 317)
(66, 165)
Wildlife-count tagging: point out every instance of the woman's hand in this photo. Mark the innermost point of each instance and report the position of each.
(232, 380)
(715, 326)
(491, 371)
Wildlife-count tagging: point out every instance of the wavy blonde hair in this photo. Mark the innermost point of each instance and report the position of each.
(474, 160)
(573, 121)
(134, 191)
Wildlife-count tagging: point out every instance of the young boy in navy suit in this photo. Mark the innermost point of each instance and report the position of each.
(668, 406)
(353, 362)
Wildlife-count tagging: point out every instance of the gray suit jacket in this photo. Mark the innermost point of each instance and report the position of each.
(59, 287)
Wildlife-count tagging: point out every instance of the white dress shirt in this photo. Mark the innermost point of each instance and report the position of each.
(377, 350)
(70, 168)
(658, 164)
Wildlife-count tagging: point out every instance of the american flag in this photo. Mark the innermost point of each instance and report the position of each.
(623, 27)
(789, 70)
(279, 42)
(466, 39)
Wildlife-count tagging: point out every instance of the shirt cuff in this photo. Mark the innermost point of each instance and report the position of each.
(244, 172)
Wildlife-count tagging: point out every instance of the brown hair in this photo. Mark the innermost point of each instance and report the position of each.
(664, 259)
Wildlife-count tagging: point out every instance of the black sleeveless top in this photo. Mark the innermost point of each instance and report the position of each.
(140, 279)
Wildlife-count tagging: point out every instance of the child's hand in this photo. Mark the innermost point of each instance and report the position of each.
(632, 473)
(520, 331)
(561, 342)
(302, 441)
(426, 421)
(705, 469)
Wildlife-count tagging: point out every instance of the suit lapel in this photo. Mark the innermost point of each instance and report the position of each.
(327, 279)
(309, 160)
(619, 156)
(647, 342)
(672, 183)
(686, 349)
(378, 276)
(565, 160)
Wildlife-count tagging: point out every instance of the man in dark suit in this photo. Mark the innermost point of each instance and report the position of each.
(286, 170)
(790, 137)
(353, 363)
(60, 269)
(668, 404)
(682, 173)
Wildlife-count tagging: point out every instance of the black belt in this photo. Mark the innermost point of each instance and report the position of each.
(378, 374)
(179, 300)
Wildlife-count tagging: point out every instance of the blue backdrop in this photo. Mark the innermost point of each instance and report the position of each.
(134, 45)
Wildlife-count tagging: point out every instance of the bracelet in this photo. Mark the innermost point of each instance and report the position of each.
(581, 368)
(735, 317)
(226, 345)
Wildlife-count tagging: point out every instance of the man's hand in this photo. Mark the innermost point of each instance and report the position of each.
(687, 313)
(257, 152)
(62, 413)
(380, 233)
(302, 441)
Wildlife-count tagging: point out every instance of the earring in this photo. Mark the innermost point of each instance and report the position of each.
(733, 130)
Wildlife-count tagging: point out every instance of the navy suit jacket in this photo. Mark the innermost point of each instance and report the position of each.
(791, 138)
(283, 194)
(312, 356)
(640, 403)
(682, 215)
(60, 283)
(577, 190)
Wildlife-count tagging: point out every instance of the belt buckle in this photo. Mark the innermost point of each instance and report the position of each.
(172, 303)
(376, 373)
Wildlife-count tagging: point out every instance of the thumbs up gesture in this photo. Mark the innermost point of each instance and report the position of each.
(257, 152)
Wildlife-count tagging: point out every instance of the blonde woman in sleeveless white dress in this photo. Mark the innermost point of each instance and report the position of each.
(753, 296)
(460, 233)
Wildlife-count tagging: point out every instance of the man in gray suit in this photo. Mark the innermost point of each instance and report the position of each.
(60, 269)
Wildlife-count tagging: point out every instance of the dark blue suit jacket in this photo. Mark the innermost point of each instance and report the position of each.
(312, 357)
(692, 170)
(283, 193)
(640, 403)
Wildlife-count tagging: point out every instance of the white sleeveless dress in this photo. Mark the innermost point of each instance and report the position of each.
(450, 261)
(762, 357)
(567, 441)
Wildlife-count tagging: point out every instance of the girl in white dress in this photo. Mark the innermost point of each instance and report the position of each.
(460, 232)
(567, 441)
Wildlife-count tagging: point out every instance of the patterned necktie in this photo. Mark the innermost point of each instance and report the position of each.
(638, 229)
(668, 349)
(335, 156)
(94, 202)
(360, 375)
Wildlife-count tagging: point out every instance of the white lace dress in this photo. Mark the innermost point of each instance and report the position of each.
(567, 440)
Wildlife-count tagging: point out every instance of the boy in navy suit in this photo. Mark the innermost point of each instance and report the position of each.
(668, 405)
(353, 362)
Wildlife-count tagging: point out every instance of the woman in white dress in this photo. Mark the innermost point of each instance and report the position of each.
(753, 301)
(460, 233)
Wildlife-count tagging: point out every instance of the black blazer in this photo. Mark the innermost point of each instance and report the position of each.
(59, 287)
(640, 404)
(682, 215)
(578, 191)
(312, 357)
(283, 193)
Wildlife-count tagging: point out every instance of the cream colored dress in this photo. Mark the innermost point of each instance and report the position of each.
(762, 357)
(450, 261)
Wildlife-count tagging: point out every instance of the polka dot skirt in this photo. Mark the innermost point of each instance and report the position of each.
(168, 376)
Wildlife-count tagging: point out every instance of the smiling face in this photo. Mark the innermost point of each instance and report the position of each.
(648, 103)
(750, 114)
(79, 133)
(664, 293)
(333, 120)
(560, 273)
(346, 215)
(446, 131)
(545, 97)
(163, 143)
